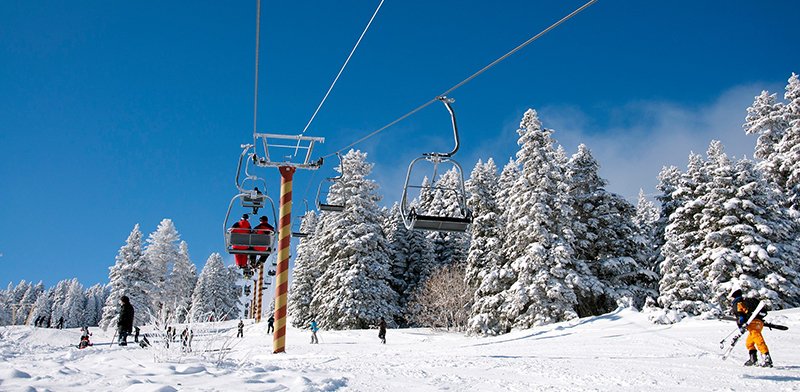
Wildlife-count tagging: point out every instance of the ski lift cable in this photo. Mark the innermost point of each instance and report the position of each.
(255, 88)
(467, 80)
(342, 69)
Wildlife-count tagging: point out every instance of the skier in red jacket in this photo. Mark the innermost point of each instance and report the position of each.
(241, 227)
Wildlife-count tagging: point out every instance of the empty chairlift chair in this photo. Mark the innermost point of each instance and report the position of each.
(415, 217)
(331, 207)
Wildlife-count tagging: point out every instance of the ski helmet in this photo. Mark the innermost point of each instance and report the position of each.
(736, 292)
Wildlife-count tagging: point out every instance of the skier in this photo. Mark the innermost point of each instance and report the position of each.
(382, 330)
(743, 309)
(314, 330)
(84, 338)
(263, 228)
(60, 324)
(125, 322)
(136, 334)
(241, 227)
(271, 324)
(240, 334)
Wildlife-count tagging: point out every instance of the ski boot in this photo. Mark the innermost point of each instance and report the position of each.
(767, 360)
(753, 358)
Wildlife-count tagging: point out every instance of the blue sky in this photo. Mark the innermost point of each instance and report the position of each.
(117, 113)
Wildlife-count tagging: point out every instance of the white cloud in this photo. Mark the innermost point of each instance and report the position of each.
(642, 137)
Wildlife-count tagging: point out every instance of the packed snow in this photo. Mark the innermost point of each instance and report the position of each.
(620, 351)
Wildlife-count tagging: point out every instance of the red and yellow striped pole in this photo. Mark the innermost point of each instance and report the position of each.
(259, 294)
(282, 273)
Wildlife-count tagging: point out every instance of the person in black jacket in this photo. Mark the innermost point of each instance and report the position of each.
(125, 323)
(382, 330)
(743, 309)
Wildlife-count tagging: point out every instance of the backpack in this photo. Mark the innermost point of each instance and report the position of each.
(751, 304)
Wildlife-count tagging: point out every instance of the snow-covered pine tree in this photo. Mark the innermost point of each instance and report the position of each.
(354, 291)
(537, 243)
(131, 275)
(605, 241)
(411, 255)
(681, 287)
(485, 250)
(74, 305)
(26, 303)
(60, 293)
(748, 239)
(448, 247)
(646, 220)
(15, 296)
(95, 298)
(508, 176)
(180, 285)
(213, 294)
(306, 273)
(43, 307)
(162, 252)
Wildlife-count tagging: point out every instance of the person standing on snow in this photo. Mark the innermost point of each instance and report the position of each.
(314, 330)
(240, 334)
(743, 308)
(271, 324)
(382, 330)
(125, 322)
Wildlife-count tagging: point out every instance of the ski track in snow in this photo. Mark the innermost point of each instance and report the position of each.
(620, 351)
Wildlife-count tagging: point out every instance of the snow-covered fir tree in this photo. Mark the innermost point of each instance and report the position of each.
(60, 293)
(214, 297)
(131, 275)
(411, 255)
(42, 308)
(681, 287)
(74, 305)
(26, 303)
(646, 221)
(605, 242)
(161, 253)
(448, 247)
(748, 241)
(95, 299)
(485, 250)
(180, 285)
(540, 266)
(354, 290)
(306, 273)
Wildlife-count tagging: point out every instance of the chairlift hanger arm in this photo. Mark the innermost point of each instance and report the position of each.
(447, 101)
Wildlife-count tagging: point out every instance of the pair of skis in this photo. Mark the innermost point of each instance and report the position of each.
(738, 332)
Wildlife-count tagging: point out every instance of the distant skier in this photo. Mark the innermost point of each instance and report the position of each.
(125, 322)
(240, 334)
(84, 338)
(382, 330)
(271, 324)
(263, 227)
(743, 308)
(314, 330)
(60, 324)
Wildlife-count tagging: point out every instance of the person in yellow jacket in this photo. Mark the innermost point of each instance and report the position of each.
(743, 308)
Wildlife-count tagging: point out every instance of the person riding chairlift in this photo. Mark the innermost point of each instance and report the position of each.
(241, 227)
(263, 228)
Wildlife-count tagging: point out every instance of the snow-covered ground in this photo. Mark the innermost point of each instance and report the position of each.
(620, 351)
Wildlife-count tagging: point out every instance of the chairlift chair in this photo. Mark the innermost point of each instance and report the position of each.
(298, 222)
(414, 217)
(259, 244)
(331, 207)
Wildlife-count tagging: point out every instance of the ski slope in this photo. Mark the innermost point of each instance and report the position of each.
(620, 351)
